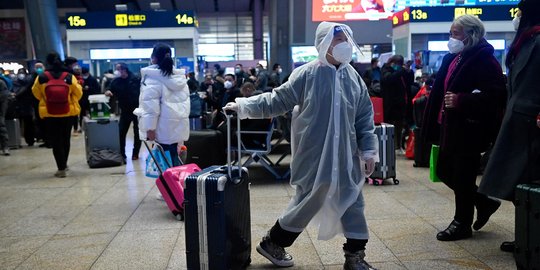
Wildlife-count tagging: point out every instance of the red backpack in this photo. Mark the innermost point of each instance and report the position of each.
(57, 94)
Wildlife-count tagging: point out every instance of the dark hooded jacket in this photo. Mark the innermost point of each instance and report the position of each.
(473, 124)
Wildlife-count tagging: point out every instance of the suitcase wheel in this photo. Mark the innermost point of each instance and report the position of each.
(179, 216)
(396, 182)
(375, 181)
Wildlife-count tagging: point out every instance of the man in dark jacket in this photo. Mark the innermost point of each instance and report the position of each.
(4, 95)
(395, 88)
(90, 87)
(372, 78)
(126, 88)
(22, 88)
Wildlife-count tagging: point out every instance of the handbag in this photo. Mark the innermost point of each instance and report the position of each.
(158, 157)
(409, 150)
(433, 164)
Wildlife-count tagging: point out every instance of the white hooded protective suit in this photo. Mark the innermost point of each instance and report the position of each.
(332, 129)
(164, 105)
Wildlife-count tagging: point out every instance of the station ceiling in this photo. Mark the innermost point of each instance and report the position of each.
(199, 6)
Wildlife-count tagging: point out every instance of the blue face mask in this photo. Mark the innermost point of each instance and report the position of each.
(396, 67)
(39, 71)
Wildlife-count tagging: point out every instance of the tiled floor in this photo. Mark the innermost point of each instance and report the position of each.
(110, 219)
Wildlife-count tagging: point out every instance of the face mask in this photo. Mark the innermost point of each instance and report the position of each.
(455, 45)
(39, 71)
(12, 76)
(85, 77)
(342, 52)
(228, 84)
(515, 22)
(396, 67)
(257, 70)
(116, 73)
(279, 70)
(237, 70)
(21, 76)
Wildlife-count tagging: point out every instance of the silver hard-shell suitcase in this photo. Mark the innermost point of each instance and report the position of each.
(386, 167)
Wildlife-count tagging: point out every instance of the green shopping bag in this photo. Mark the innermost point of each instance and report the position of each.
(433, 164)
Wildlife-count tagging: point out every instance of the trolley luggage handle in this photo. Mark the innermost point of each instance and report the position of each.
(160, 148)
(228, 116)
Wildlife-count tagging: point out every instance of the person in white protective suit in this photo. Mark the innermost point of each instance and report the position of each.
(164, 103)
(332, 133)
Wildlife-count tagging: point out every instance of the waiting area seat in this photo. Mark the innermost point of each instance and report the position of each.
(256, 137)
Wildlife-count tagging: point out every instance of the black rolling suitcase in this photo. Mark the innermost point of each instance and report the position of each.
(386, 167)
(527, 228)
(422, 150)
(206, 148)
(217, 216)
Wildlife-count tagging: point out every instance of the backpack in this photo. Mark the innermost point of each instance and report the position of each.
(7, 81)
(57, 94)
(197, 105)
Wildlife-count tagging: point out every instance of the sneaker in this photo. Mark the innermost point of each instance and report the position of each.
(60, 173)
(355, 261)
(276, 254)
(5, 152)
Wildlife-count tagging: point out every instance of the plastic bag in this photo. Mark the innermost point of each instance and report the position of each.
(433, 164)
(162, 158)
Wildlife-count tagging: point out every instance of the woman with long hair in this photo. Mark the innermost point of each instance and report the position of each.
(58, 116)
(164, 103)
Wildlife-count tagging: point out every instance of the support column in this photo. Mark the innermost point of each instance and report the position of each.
(44, 27)
(258, 29)
(280, 49)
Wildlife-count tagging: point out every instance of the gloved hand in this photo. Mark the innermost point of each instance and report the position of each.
(231, 106)
(370, 166)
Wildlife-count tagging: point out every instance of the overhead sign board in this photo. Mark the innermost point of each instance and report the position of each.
(344, 10)
(131, 19)
(448, 14)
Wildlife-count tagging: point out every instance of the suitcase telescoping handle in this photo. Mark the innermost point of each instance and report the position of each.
(161, 151)
(228, 116)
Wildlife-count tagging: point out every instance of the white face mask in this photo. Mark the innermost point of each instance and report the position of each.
(279, 70)
(516, 22)
(455, 45)
(342, 52)
(21, 76)
(116, 73)
(227, 84)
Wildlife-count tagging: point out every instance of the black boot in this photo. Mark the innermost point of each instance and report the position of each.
(355, 261)
(485, 207)
(455, 231)
(508, 246)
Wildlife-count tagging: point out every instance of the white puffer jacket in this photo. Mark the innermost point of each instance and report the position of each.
(164, 105)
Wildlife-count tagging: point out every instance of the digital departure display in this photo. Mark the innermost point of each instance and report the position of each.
(401, 4)
(142, 19)
(346, 10)
(448, 14)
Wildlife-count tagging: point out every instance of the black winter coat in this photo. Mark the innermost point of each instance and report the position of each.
(395, 86)
(473, 124)
(127, 92)
(515, 158)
